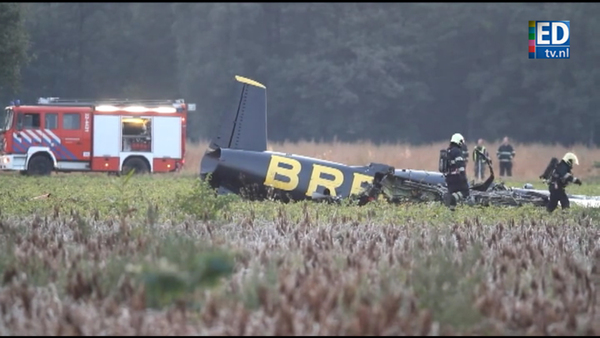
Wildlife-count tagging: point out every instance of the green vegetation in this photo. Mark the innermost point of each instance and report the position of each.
(166, 247)
(95, 255)
(175, 197)
(172, 199)
(14, 48)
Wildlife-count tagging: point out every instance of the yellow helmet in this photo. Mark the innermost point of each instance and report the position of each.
(457, 138)
(571, 159)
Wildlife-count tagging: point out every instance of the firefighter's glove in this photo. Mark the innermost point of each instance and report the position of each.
(577, 181)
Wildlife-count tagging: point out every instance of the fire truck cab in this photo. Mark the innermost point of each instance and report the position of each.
(112, 136)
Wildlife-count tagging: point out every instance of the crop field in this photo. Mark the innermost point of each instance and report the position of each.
(161, 255)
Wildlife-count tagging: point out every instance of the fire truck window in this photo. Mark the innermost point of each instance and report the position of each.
(51, 121)
(31, 121)
(71, 121)
(137, 134)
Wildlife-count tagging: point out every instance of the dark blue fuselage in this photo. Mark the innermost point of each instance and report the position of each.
(296, 177)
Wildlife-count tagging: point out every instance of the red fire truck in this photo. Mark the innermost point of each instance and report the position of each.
(112, 136)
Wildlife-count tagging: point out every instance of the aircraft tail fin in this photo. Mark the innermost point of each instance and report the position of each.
(244, 128)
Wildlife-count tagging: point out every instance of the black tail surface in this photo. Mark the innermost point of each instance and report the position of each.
(244, 128)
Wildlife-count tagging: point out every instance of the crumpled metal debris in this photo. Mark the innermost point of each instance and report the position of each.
(399, 190)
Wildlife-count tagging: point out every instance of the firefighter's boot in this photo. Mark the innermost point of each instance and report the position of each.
(449, 201)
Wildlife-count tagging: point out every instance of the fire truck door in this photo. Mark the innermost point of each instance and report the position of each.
(76, 139)
(26, 135)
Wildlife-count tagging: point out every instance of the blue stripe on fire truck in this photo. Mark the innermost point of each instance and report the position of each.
(57, 144)
(18, 146)
(69, 155)
(59, 150)
(56, 148)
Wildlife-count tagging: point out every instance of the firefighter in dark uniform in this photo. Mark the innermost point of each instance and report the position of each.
(455, 174)
(480, 154)
(505, 155)
(560, 178)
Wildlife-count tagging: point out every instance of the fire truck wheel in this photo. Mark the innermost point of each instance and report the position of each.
(39, 165)
(137, 164)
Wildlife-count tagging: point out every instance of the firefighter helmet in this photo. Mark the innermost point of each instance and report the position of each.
(457, 138)
(571, 159)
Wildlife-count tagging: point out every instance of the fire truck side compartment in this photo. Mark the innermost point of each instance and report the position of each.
(106, 140)
(167, 129)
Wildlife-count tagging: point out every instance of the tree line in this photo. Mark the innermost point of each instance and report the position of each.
(399, 72)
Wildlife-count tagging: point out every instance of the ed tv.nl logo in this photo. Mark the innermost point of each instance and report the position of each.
(549, 39)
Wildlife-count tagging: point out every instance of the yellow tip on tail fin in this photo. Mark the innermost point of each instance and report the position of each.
(248, 81)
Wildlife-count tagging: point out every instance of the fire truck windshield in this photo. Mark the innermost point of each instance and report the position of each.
(7, 119)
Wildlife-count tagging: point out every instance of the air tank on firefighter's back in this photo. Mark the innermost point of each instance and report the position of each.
(443, 161)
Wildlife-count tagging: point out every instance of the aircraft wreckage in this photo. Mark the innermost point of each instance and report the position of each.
(398, 189)
(237, 161)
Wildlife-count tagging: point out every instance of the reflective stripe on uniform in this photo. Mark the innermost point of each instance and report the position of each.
(456, 159)
(456, 171)
(480, 154)
(458, 196)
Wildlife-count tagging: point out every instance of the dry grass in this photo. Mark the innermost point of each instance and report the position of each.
(530, 160)
(313, 277)
(137, 265)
